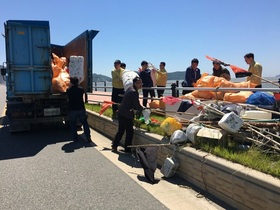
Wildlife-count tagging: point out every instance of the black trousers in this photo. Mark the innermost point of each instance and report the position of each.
(160, 92)
(125, 125)
(186, 91)
(116, 98)
(145, 95)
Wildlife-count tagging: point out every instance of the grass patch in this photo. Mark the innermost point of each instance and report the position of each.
(153, 128)
(253, 157)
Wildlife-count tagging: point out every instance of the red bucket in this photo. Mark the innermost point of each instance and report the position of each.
(277, 96)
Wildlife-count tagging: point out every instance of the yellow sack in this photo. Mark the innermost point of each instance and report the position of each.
(169, 125)
(240, 97)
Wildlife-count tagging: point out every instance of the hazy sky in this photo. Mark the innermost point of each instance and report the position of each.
(174, 31)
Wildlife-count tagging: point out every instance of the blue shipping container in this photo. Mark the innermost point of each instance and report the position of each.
(28, 57)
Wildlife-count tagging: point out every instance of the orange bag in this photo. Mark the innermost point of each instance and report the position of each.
(240, 97)
(161, 105)
(61, 79)
(154, 104)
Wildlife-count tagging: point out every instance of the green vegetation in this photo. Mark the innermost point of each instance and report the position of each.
(254, 158)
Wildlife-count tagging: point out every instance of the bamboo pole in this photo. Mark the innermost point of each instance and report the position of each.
(267, 80)
(262, 144)
(249, 126)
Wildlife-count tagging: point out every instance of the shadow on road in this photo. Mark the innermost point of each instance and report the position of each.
(129, 159)
(72, 146)
(29, 143)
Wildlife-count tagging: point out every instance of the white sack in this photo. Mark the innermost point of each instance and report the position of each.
(127, 78)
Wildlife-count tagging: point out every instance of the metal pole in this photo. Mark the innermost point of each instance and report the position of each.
(105, 86)
(86, 98)
(173, 89)
(95, 86)
(177, 85)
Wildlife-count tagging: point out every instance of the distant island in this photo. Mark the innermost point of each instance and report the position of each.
(100, 78)
(277, 75)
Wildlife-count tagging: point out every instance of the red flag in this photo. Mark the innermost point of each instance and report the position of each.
(239, 72)
(170, 100)
(213, 59)
(236, 69)
(105, 106)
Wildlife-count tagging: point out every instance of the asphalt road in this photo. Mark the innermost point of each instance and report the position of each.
(43, 169)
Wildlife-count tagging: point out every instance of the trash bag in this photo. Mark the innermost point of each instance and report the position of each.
(261, 98)
(146, 114)
(169, 125)
(191, 131)
(147, 157)
(178, 137)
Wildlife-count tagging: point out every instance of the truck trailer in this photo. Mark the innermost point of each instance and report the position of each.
(28, 71)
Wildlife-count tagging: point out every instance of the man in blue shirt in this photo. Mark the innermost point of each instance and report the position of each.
(191, 76)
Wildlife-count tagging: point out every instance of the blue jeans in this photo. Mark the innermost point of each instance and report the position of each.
(74, 115)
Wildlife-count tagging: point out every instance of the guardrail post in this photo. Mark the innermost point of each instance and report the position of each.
(86, 98)
(173, 89)
(105, 86)
(177, 85)
(95, 86)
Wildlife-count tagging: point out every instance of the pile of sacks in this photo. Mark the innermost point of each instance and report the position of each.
(61, 78)
(214, 82)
